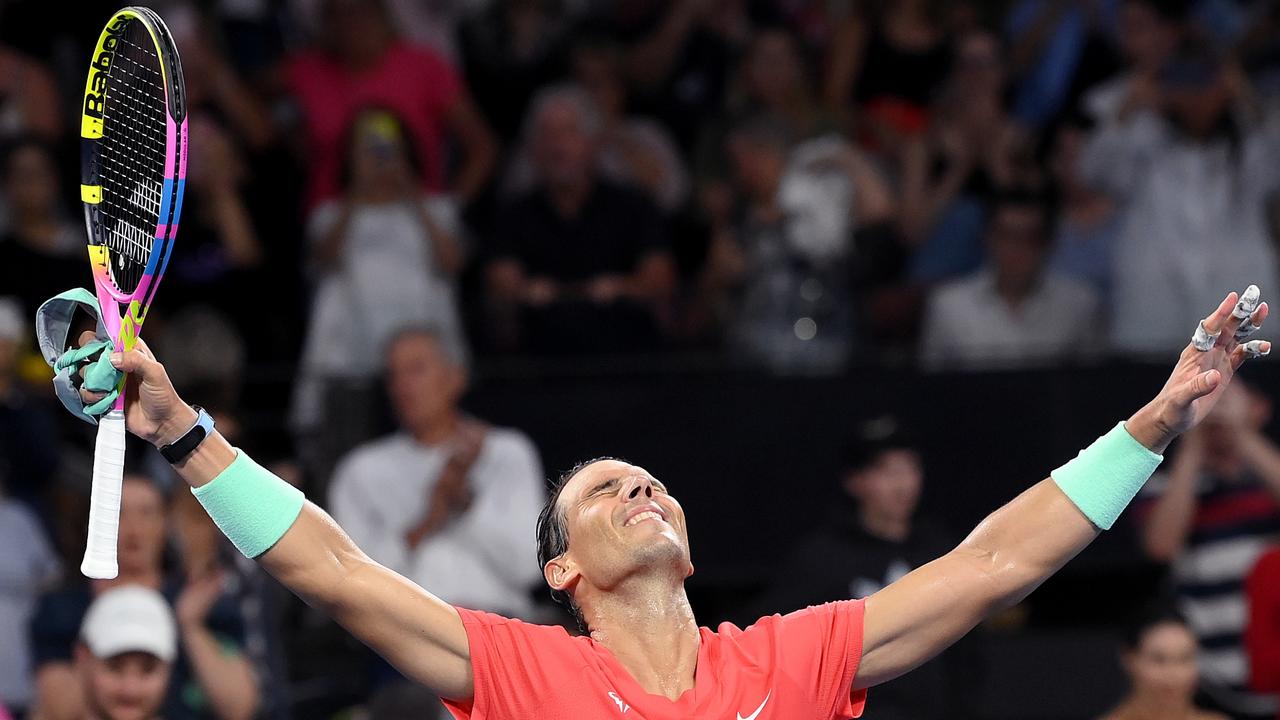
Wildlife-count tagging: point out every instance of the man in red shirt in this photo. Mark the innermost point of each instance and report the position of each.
(615, 547)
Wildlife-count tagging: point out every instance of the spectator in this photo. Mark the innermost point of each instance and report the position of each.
(446, 498)
(1159, 656)
(41, 250)
(28, 98)
(1148, 33)
(1262, 588)
(28, 431)
(680, 57)
(28, 566)
(1211, 517)
(210, 677)
(1088, 220)
(1058, 50)
(125, 654)
(871, 539)
(361, 63)
(385, 256)
(1014, 311)
(510, 48)
(779, 268)
(889, 59)
(578, 263)
(972, 148)
(633, 150)
(1193, 180)
(220, 251)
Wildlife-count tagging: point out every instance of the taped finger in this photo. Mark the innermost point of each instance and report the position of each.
(1256, 348)
(1203, 340)
(1247, 304)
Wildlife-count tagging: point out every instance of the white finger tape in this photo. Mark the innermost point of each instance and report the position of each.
(1248, 303)
(1246, 329)
(1202, 340)
(1253, 348)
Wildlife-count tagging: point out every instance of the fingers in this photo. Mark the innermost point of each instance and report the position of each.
(1251, 326)
(137, 362)
(86, 337)
(1218, 319)
(1248, 351)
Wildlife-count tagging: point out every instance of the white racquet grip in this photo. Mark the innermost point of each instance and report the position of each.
(104, 500)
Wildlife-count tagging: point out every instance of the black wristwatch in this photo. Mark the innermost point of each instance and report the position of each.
(176, 451)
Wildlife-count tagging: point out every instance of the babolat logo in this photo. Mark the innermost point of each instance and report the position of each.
(94, 102)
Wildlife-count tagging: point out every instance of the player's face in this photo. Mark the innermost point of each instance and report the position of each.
(142, 526)
(621, 521)
(1164, 665)
(130, 686)
(423, 383)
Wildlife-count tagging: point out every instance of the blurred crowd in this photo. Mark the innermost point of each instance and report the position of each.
(387, 196)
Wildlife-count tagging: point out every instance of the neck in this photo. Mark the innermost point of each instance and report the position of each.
(649, 627)
(1015, 290)
(885, 527)
(436, 430)
(1145, 707)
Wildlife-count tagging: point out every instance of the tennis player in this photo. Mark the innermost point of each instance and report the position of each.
(614, 545)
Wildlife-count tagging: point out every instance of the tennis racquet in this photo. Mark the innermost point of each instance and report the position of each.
(133, 166)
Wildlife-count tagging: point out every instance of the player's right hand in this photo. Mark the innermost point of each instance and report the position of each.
(152, 409)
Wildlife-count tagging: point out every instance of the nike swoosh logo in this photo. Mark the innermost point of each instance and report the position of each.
(753, 715)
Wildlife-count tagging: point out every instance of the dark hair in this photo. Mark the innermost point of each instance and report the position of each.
(1174, 11)
(871, 439)
(1149, 618)
(1021, 196)
(553, 536)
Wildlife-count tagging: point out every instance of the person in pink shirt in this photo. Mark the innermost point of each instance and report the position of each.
(361, 63)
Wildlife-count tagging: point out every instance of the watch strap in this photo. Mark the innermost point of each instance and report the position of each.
(179, 449)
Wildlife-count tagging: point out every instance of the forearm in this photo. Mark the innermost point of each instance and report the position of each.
(236, 230)
(226, 679)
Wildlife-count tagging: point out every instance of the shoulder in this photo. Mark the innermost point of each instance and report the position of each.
(508, 440)
(424, 59)
(816, 623)
(529, 639)
(962, 290)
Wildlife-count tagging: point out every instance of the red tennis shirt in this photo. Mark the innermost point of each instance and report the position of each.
(785, 667)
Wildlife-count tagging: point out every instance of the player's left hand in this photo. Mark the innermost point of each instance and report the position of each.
(1204, 370)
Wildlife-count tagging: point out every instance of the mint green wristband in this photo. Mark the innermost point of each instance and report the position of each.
(252, 507)
(1104, 478)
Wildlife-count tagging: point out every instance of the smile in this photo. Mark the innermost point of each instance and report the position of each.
(646, 515)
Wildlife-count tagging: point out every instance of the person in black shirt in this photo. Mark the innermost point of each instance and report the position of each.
(578, 264)
(871, 539)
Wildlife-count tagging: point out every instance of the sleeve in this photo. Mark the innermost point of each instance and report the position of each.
(513, 667)
(1262, 632)
(819, 649)
(355, 512)
(503, 522)
(446, 85)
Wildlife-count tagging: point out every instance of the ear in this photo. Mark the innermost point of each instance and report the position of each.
(561, 573)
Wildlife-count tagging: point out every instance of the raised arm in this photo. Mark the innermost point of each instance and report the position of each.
(417, 632)
(1020, 545)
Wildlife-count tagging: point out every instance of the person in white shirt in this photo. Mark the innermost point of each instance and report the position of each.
(447, 499)
(1012, 312)
(1193, 174)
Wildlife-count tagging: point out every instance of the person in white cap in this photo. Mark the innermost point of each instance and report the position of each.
(128, 642)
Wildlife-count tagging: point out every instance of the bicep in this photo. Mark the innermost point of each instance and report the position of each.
(417, 632)
(912, 620)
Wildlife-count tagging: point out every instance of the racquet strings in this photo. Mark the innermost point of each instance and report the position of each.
(132, 155)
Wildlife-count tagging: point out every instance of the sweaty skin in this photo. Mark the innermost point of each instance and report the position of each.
(629, 580)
